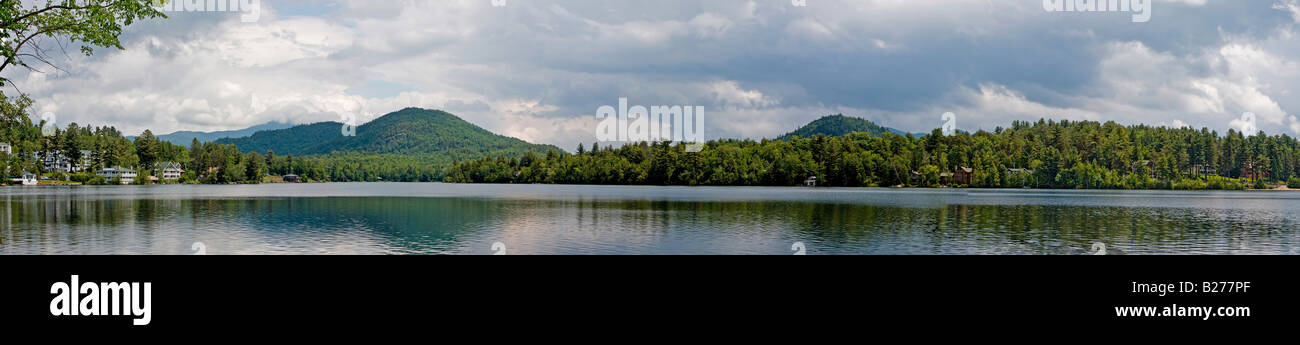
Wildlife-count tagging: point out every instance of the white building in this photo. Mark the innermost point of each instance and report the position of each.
(56, 161)
(86, 161)
(118, 175)
(4, 147)
(170, 170)
(28, 179)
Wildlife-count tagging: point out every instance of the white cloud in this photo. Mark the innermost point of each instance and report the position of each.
(538, 69)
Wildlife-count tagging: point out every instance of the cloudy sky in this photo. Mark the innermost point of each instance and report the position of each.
(539, 69)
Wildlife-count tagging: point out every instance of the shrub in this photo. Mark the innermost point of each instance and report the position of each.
(81, 177)
(142, 177)
(1190, 185)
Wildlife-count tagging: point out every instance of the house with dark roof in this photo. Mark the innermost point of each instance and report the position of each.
(1253, 171)
(958, 176)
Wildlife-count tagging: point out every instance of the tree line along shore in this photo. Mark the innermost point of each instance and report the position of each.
(1042, 154)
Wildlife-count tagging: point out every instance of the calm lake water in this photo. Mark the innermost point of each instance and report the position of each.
(434, 218)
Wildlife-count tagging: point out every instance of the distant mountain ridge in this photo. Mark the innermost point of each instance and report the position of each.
(839, 125)
(410, 131)
(184, 138)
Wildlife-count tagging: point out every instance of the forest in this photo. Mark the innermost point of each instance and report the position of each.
(411, 145)
(92, 148)
(95, 148)
(1042, 154)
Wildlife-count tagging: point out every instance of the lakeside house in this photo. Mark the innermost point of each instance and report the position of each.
(810, 182)
(86, 161)
(1024, 176)
(1251, 171)
(27, 179)
(958, 176)
(1200, 170)
(57, 161)
(117, 175)
(170, 170)
(4, 147)
(291, 178)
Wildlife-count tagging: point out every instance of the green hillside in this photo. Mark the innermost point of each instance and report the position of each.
(433, 134)
(297, 140)
(839, 125)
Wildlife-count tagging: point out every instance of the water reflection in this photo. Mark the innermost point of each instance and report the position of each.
(460, 219)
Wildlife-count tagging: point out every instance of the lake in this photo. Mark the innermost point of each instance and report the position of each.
(436, 218)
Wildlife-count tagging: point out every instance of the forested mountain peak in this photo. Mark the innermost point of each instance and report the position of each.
(406, 131)
(839, 125)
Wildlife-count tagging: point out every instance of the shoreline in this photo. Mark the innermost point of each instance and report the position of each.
(1279, 188)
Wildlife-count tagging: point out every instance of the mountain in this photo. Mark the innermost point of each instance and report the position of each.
(296, 140)
(410, 131)
(184, 138)
(839, 125)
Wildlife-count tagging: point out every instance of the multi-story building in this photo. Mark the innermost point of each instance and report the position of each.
(958, 176)
(86, 160)
(170, 170)
(57, 161)
(118, 175)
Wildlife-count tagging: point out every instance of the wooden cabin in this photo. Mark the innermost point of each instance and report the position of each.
(1253, 171)
(962, 175)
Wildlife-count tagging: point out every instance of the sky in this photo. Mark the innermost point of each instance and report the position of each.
(539, 69)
